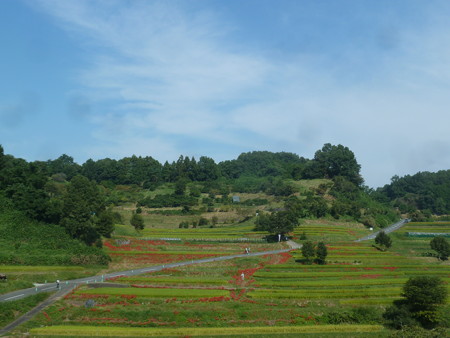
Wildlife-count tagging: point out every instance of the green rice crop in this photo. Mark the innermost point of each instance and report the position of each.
(66, 330)
(174, 280)
(333, 283)
(41, 268)
(326, 294)
(340, 274)
(156, 292)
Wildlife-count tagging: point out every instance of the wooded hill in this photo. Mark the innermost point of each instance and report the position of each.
(79, 198)
(424, 191)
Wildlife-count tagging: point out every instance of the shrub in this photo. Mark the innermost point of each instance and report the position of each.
(358, 315)
(203, 221)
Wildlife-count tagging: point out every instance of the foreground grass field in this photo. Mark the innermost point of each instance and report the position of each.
(272, 295)
(188, 332)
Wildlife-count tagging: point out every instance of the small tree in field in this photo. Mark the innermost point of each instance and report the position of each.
(137, 222)
(441, 246)
(383, 240)
(308, 250)
(321, 252)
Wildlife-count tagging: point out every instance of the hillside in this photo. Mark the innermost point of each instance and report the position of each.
(27, 242)
(426, 192)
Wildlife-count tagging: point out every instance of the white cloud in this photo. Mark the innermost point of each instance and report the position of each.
(165, 72)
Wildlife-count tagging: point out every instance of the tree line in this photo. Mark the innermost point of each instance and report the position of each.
(328, 162)
(425, 191)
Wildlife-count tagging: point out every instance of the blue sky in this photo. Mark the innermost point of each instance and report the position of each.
(96, 79)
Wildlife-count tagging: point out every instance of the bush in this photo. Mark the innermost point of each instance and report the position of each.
(203, 221)
(358, 315)
(161, 201)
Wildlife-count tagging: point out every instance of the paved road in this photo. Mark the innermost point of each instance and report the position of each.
(70, 284)
(30, 314)
(66, 286)
(387, 230)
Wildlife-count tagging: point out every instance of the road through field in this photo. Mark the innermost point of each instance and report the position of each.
(66, 286)
(387, 230)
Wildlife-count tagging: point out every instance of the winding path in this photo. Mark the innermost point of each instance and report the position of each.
(387, 230)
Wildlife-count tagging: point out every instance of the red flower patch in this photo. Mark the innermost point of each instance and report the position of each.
(372, 276)
(390, 268)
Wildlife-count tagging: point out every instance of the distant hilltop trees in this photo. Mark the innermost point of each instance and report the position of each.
(328, 162)
(425, 191)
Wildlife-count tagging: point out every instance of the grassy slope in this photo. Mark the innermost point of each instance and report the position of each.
(32, 252)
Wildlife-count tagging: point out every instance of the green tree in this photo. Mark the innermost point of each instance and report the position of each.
(441, 246)
(281, 222)
(332, 161)
(137, 221)
(321, 252)
(308, 250)
(424, 293)
(383, 240)
(423, 296)
(180, 187)
(104, 223)
(81, 204)
(64, 164)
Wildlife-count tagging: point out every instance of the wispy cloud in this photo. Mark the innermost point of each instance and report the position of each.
(164, 70)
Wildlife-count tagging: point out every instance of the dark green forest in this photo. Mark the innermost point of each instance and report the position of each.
(79, 199)
(424, 191)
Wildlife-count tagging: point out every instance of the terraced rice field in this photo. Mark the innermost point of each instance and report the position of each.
(327, 231)
(418, 245)
(356, 273)
(271, 295)
(133, 252)
(426, 227)
(219, 233)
